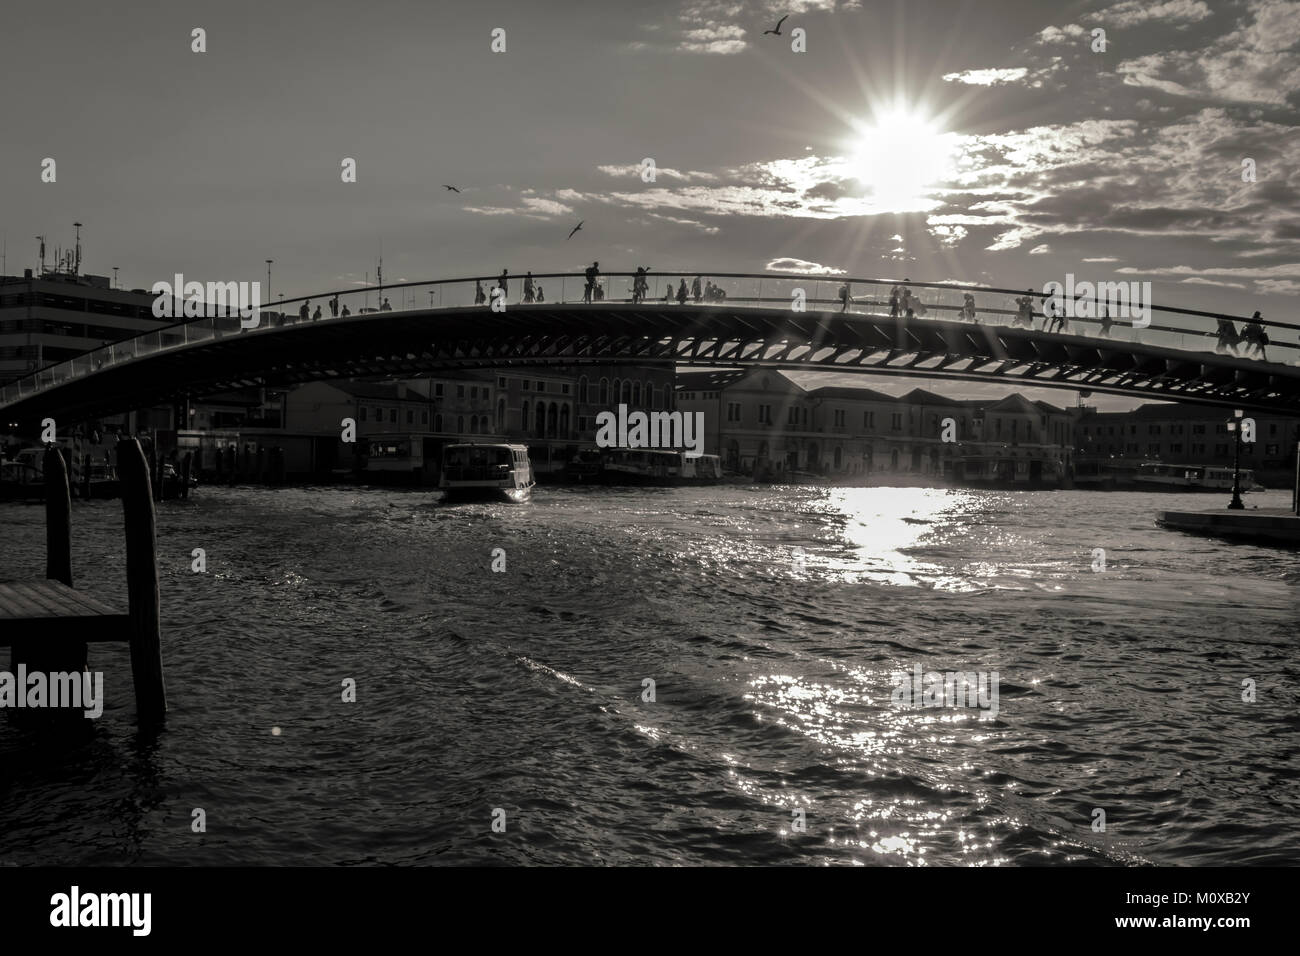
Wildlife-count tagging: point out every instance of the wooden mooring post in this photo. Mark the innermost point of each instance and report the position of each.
(47, 624)
(145, 635)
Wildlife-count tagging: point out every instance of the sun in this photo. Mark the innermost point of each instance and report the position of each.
(899, 157)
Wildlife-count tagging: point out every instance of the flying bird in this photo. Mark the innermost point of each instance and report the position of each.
(575, 229)
(452, 188)
(777, 31)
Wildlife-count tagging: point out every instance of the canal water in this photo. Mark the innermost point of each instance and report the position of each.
(772, 622)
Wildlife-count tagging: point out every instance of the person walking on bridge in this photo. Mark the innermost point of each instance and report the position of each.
(894, 297)
(592, 273)
(1254, 335)
(316, 315)
(479, 295)
(1228, 337)
(503, 284)
(334, 307)
(1106, 321)
(303, 312)
(681, 292)
(528, 287)
(845, 296)
(696, 292)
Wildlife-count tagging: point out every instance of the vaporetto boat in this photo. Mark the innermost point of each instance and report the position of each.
(486, 472)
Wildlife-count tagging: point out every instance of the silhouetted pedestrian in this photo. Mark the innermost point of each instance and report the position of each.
(1106, 322)
(528, 287)
(696, 292)
(334, 307)
(302, 312)
(845, 296)
(592, 272)
(316, 315)
(1228, 337)
(1255, 335)
(383, 307)
(681, 292)
(503, 283)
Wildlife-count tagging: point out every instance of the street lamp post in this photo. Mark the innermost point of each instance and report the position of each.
(1234, 426)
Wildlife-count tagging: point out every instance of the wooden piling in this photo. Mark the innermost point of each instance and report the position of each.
(142, 582)
(44, 656)
(58, 518)
(85, 477)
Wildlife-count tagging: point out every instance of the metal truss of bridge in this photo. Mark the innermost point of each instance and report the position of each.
(750, 322)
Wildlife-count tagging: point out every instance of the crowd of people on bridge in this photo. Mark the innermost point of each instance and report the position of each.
(904, 302)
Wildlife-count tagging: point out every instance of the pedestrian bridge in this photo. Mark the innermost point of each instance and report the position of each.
(751, 321)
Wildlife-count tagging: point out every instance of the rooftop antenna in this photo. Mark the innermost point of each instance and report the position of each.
(42, 239)
(379, 273)
(76, 269)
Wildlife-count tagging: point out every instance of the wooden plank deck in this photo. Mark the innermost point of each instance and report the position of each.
(50, 610)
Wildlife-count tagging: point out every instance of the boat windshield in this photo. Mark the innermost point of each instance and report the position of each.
(477, 462)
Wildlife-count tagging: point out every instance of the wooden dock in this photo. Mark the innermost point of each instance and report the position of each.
(1271, 526)
(48, 623)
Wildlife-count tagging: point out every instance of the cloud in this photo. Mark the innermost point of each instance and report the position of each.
(1197, 280)
(1256, 63)
(547, 207)
(803, 266)
(1040, 250)
(990, 77)
(1063, 34)
(690, 175)
(1132, 12)
(1101, 259)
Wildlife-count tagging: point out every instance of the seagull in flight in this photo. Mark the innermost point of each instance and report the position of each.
(777, 31)
(452, 188)
(575, 229)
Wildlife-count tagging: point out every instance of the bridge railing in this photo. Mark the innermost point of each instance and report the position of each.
(1182, 329)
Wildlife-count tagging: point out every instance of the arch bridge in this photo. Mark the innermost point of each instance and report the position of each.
(747, 320)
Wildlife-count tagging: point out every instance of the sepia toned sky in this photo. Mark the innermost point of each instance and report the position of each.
(982, 141)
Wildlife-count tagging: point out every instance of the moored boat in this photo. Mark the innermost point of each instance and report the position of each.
(1157, 476)
(486, 472)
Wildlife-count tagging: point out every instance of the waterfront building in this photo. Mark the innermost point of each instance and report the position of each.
(1183, 434)
(764, 424)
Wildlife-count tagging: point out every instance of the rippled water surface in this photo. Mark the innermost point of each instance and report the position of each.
(771, 621)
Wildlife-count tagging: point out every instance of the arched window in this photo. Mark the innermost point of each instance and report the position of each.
(523, 418)
(460, 424)
(539, 428)
(501, 411)
(646, 391)
(627, 393)
(838, 457)
(552, 420)
(604, 391)
(582, 389)
(617, 385)
(564, 422)
(437, 423)
(636, 394)
(654, 396)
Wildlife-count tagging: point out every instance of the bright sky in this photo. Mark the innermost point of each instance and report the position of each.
(983, 142)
